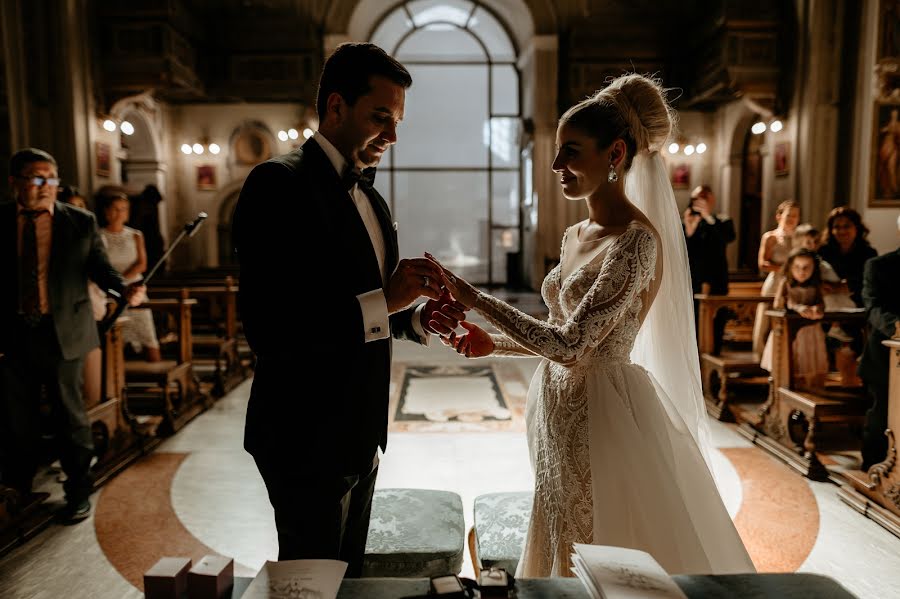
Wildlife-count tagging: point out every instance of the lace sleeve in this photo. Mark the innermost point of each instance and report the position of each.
(626, 271)
(504, 346)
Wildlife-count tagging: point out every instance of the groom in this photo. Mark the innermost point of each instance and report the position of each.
(313, 216)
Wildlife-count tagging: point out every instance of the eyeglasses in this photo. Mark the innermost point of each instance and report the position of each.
(39, 181)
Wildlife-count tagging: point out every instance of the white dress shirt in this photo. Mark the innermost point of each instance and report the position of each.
(372, 303)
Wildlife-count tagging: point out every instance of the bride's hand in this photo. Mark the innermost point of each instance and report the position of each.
(464, 293)
(476, 343)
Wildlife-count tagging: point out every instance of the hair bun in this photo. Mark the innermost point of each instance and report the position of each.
(642, 104)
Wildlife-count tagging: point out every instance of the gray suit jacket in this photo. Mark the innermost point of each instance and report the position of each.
(76, 255)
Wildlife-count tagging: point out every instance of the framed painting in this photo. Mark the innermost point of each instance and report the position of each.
(782, 156)
(206, 176)
(884, 177)
(681, 176)
(103, 159)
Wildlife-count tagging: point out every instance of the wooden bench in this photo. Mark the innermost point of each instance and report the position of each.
(733, 366)
(168, 388)
(795, 423)
(876, 493)
(215, 346)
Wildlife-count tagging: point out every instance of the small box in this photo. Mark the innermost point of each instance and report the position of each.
(494, 582)
(211, 578)
(167, 579)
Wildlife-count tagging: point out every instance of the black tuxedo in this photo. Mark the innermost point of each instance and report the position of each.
(313, 424)
(52, 352)
(881, 296)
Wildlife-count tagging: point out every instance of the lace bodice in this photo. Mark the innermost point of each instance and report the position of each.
(594, 313)
(121, 248)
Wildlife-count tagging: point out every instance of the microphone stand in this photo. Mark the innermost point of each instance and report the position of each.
(190, 229)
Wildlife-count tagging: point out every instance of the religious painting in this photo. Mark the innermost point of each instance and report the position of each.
(103, 159)
(251, 145)
(206, 176)
(782, 158)
(885, 173)
(681, 176)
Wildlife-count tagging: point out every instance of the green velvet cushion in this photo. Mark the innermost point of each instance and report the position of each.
(415, 532)
(501, 521)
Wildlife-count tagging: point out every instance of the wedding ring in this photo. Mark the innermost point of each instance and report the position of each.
(425, 283)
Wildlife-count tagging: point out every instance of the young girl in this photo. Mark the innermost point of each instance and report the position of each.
(801, 291)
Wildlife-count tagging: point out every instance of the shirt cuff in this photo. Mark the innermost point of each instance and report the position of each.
(376, 324)
(710, 219)
(424, 336)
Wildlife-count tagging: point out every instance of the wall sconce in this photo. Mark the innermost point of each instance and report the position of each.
(111, 125)
(686, 148)
(200, 147)
(775, 125)
(293, 134)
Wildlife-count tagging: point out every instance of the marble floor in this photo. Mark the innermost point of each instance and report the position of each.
(199, 492)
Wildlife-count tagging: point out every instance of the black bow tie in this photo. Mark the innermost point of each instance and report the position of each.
(352, 176)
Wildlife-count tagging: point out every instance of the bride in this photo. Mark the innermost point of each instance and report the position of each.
(616, 425)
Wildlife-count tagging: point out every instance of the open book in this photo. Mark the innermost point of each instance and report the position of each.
(298, 579)
(620, 573)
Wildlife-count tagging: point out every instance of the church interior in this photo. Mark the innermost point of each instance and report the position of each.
(169, 105)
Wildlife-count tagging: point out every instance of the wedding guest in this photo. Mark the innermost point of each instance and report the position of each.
(125, 247)
(46, 329)
(800, 290)
(774, 248)
(318, 456)
(846, 248)
(707, 235)
(69, 194)
(881, 296)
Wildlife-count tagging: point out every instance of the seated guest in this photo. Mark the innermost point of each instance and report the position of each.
(846, 249)
(125, 247)
(835, 290)
(881, 295)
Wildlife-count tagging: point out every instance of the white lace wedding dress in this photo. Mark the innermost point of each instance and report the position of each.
(611, 466)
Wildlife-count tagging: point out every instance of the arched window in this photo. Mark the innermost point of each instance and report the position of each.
(453, 179)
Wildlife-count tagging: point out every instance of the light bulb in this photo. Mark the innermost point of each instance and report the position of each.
(282, 135)
(292, 133)
(701, 147)
(186, 149)
(198, 149)
(214, 148)
(688, 150)
(126, 128)
(758, 127)
(109, 125)
(776, 126)
(673, 148)
(307, 133)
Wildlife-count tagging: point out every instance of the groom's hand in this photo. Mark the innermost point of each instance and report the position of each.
(443, 315)
(413, 278)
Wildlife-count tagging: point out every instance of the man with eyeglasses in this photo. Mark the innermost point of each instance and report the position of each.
(50, 250)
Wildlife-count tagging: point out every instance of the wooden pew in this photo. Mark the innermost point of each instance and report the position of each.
(216, 345)
(876, 493)
(118, 438)
(734, 366)
(795, 423)
(168, 388)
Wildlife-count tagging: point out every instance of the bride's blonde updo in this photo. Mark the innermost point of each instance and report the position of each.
(632, 107)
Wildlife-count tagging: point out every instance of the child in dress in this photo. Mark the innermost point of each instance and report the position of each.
(835, 291)
(800, 291)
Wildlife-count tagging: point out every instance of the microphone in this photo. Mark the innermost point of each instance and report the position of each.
(192, 227)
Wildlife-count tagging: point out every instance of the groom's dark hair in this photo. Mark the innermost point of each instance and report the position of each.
(349, 69)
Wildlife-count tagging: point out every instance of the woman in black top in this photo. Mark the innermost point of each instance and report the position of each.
(845, 248)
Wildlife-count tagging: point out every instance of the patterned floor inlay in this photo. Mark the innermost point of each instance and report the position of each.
(135, 522)
(779, 516)
(483, 396)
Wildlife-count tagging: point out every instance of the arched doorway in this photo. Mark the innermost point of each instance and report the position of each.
(751, 202)
(223, 228)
